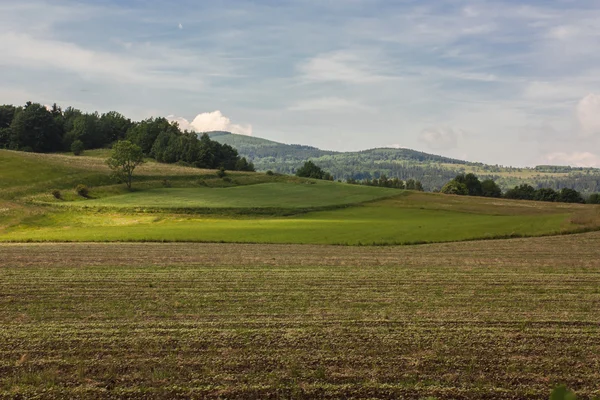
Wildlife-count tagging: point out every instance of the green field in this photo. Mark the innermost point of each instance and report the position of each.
(505, 319)
(175, 203)
(393, 221)
(266, 195)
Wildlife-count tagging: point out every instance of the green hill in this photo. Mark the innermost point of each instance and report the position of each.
(432, 170)
(176, 203)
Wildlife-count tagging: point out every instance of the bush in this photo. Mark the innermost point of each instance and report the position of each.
(594, 199)
(455, 187)
(270, 173)
(166, 183)
(82, 190)
(77, 147)
(221, 172)
(56, 193)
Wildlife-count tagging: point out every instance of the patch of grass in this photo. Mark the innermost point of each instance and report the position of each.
(389, 221)
(266, 195)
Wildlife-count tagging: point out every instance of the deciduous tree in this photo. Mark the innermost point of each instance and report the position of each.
(125, 157)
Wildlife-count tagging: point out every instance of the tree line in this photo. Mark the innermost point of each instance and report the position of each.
(470, 185)
(37, 128)
(311, 170)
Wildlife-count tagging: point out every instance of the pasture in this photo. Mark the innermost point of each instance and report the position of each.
(498, 319)
(265, 195)
(178, 203)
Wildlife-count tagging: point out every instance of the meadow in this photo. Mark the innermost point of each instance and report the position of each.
(178, 203)
(506, 319)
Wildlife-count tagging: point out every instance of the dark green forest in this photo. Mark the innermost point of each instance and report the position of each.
(36, 128)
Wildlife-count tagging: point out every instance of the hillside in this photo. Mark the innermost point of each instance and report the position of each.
(432, 170)
(177, 203)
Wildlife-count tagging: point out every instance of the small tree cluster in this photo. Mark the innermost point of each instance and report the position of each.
(470, 185)
(311, 170)
(384, 181)
(528, 192)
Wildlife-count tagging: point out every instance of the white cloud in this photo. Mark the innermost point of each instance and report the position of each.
(574, 159)
(211, 121)
(180, 26)
(441, 138)
(395, 146)
(563, 32)
(330, 104)
(25, 51)
(588, 114)
(341, 66)
(550, 91)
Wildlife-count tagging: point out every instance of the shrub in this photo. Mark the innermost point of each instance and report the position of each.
(270, 173)
(56, 193)
(77, 147)
(594, 199)
(82, 190)
(221, 172)
(226, 179)
(455, 187)
(166, 183)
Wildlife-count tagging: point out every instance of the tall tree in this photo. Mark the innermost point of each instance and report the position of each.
(489, 188)
(113, 126)
(34, 129)
(471, 181)
(125, 157)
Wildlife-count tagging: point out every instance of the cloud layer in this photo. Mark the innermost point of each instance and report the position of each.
(441, 138)
(340, 75)
(588, 113)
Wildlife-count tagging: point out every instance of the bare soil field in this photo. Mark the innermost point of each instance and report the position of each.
(503, 319)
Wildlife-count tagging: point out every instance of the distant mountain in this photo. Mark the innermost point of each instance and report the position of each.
(432, 170)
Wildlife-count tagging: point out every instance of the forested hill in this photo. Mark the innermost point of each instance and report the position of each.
(262, 148)
(432, 170)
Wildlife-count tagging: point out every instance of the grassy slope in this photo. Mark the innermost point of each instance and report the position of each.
(272, 195)
(480, 320)
(408, 218)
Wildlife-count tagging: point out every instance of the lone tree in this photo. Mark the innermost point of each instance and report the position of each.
(125, 157)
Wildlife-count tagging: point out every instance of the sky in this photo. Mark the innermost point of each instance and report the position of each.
(502, 82)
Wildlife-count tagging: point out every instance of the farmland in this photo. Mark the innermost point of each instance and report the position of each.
(495, 319)
(173, 203)
(275, 310)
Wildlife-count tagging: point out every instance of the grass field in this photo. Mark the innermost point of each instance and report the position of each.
(175, 203)
(499, 319)
(266, 195)
(383, 222)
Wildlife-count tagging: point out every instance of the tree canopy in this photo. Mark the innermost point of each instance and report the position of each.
(38, 128)
(311, 170)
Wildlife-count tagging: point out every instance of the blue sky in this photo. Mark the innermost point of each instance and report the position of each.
(502, 82)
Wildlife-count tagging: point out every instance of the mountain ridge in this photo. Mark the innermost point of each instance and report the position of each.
(432, 170)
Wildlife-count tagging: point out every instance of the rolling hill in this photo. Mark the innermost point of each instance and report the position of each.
(177, 203)
(432, 170)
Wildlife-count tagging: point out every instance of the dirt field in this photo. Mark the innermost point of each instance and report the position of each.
(491, 319)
